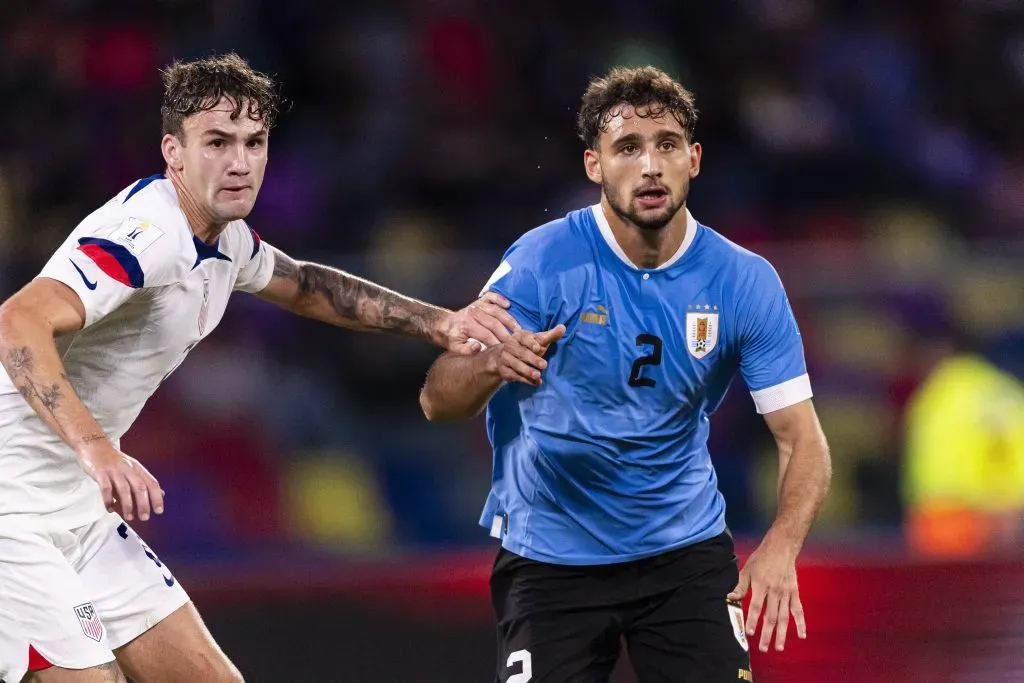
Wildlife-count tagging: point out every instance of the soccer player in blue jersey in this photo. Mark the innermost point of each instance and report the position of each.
(634, 319)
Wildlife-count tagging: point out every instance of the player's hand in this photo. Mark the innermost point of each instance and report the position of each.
(125, 484)
(770, 576)
(521, 358)
(483, 323)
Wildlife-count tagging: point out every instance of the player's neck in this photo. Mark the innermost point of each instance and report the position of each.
(203, 226)
(646, 248)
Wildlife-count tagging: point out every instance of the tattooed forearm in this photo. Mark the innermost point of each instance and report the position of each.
(19, 361)
(29, 353)
(344, 299)
(366, 303)
(21, 368)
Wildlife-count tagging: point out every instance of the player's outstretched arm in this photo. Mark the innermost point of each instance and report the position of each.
(459, 387)
(334, 296)
(29, 323)
(805, 471)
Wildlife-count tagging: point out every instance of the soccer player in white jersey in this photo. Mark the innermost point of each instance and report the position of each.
(120, 304)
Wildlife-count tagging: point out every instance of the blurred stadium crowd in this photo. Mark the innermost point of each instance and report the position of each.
(872, 150)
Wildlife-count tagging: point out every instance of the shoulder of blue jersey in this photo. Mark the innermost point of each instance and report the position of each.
(541, 249)
(747, 265)
(545, 238)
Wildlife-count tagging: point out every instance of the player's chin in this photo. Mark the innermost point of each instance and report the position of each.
(652, 218)
(234, 210)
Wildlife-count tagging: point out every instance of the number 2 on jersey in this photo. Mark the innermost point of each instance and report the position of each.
(526, 659)
(653, 358)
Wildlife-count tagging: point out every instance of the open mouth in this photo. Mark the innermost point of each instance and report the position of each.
(652, 197)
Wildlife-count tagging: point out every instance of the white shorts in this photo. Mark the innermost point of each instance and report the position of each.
(74, 596)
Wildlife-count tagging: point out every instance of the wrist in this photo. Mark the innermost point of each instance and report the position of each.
(93, 443)
(487, 362)
(778, 536)
(442, 321)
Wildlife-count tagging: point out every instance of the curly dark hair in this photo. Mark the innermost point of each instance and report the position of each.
(644, 87)
(198, 85)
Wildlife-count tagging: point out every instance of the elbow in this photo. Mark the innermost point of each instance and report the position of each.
(825, 463)
(439, 411)
(828, 466)
(429, 407)
(9, 316)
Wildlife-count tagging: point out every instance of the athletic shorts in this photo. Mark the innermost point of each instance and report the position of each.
(566, 624)
(69, 598)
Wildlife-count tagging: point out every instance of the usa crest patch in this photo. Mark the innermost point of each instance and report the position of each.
(90, 621)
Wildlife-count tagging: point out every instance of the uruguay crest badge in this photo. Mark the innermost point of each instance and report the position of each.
(701, 330)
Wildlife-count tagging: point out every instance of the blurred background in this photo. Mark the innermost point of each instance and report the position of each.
(872, 150)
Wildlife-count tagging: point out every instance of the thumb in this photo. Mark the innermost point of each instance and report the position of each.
(549, 337)
(741, 588)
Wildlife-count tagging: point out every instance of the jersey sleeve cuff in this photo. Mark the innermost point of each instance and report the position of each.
(64, 274)
(264, 273)
(782, 395)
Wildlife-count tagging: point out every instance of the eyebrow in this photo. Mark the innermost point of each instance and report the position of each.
(660, 136)
(667, 135)
(217, 132)
(631, 138)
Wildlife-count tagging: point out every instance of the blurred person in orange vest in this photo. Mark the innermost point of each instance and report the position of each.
(963, 481)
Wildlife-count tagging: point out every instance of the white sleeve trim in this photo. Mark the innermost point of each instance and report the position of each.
(264, 271)
(503, 269)
(782, 395)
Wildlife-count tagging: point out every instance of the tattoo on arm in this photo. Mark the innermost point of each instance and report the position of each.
(358, 302)
(21, 367)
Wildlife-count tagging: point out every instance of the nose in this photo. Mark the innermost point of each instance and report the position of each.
(650, 163)
(239, 161)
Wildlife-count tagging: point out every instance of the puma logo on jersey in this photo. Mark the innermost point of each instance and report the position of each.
(598, 318)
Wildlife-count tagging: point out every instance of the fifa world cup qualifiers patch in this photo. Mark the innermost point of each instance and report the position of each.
(136, 235)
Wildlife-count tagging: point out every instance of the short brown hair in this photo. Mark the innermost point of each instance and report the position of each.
(642, 87)
(198, 85)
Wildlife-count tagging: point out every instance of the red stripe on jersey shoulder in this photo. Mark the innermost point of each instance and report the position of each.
(114, 260)
(255, 243)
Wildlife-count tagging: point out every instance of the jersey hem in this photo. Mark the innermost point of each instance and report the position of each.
(64, 521)
(591, 560)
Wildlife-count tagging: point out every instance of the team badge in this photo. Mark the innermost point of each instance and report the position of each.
(90, 621)
(736, 617)
(701, 330)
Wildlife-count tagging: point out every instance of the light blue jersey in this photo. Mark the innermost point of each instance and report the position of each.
(607, 461)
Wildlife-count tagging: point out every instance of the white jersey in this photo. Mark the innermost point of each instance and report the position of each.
(151, 292)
